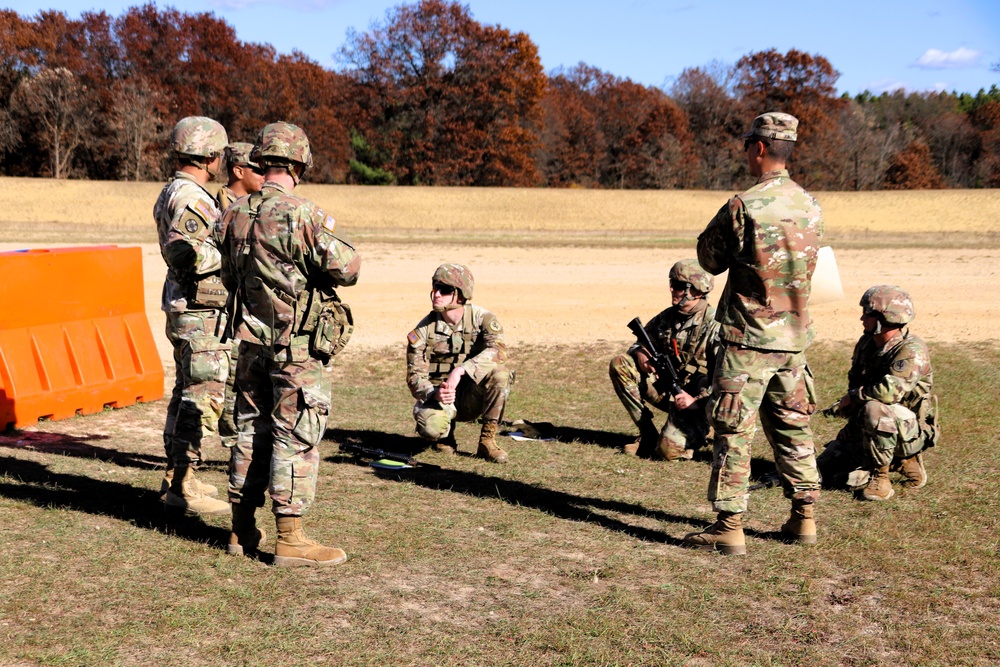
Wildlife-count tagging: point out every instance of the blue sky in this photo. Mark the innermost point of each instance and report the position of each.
(877, 45)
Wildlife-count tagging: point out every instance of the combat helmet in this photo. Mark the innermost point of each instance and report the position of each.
(282, 145)
(199, 137)
(456, 275)
(238, 153)
(690, 271)
(892, 304)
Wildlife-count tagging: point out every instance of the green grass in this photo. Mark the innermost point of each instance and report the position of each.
(568, 555)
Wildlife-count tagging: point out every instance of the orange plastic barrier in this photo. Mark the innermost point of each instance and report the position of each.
(74, 337)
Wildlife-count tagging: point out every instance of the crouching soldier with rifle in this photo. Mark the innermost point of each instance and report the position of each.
(456, 365)
(674, 377)
(890, 408)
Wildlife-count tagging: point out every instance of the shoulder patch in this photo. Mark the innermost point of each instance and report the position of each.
(203, 209)
(191, 225)
(900, 365)
(412, 337)
(495, 326)
(329, 224)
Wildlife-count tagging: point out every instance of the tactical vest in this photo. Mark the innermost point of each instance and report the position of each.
(689, 351)
(318, 313)
(459, 347)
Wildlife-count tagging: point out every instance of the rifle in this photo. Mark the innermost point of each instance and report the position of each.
(768, 481)
(660, 362)
(379, 454)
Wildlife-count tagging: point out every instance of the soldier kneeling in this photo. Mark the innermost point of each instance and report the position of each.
(890, 407)
(688, 334)
(456, 365)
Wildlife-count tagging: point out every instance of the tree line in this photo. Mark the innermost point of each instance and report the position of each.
(430, 96)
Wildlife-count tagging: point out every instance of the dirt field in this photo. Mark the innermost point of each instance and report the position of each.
(571, 295)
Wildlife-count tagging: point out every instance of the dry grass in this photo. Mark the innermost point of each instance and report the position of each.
(568, 555)
(121, 207)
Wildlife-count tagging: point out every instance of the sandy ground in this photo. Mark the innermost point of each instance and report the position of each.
(572, 295)
(577, 295)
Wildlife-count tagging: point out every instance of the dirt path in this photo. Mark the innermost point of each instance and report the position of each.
(577, 295)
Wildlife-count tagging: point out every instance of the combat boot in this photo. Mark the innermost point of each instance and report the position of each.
(183, 495)
(725, 536)
(879, 487)
(912, 468)
(294, 549)
(645, 444)
(447, 444)
(199, 486)
(488, 447)
(801, 526)
(246, 537)
(668, 450)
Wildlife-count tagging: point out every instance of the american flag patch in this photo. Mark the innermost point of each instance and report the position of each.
(202, 209)
(329, 224)
(413, 337)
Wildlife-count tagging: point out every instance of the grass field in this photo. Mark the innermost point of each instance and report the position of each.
(569, 554)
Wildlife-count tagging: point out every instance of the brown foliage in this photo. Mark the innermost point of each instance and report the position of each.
(445, 99)
(912, 169)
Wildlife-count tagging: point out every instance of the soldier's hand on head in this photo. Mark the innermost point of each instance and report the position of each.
(684, 400)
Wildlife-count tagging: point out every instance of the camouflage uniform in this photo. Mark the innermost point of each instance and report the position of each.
(690, 341)
(434, 348)
(768, 238)
(281, 253)
(236, 153)
(892, 410)
(193, 296)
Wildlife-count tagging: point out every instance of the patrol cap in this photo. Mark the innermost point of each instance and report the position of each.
(774, 125)
(238, 153)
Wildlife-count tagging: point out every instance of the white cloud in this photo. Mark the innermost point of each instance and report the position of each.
(937, 59)
(884, 86)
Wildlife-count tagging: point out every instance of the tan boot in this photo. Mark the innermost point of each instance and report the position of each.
(645, 444)
(488, 447)
(183, 495)
(294, 549)
(246, 537)
(725, 535)
(447, 444)
(801, 526)
(912, 468)
(199, 486)
(879, 487)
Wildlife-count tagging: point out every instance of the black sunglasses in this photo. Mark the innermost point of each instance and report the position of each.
(444, 290)
(679, 286)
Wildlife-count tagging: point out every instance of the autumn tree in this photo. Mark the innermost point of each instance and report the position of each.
(913, 169)
(804, 86)
(447, 100)
(634, 135)
(716, 120)
(58, 104)
(137, 125)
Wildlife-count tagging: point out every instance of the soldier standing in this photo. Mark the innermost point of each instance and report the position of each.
(890, 407)
(688, 334)
(768, 238)
(245, 178)
(456, 365)
(245, 175)
(282, 259)
(193, 296)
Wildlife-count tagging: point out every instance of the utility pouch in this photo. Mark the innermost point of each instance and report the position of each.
(210, 292)
(334, 328)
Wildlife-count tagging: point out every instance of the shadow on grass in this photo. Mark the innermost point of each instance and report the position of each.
(518, 494)
(79, 446)
(141, 507)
